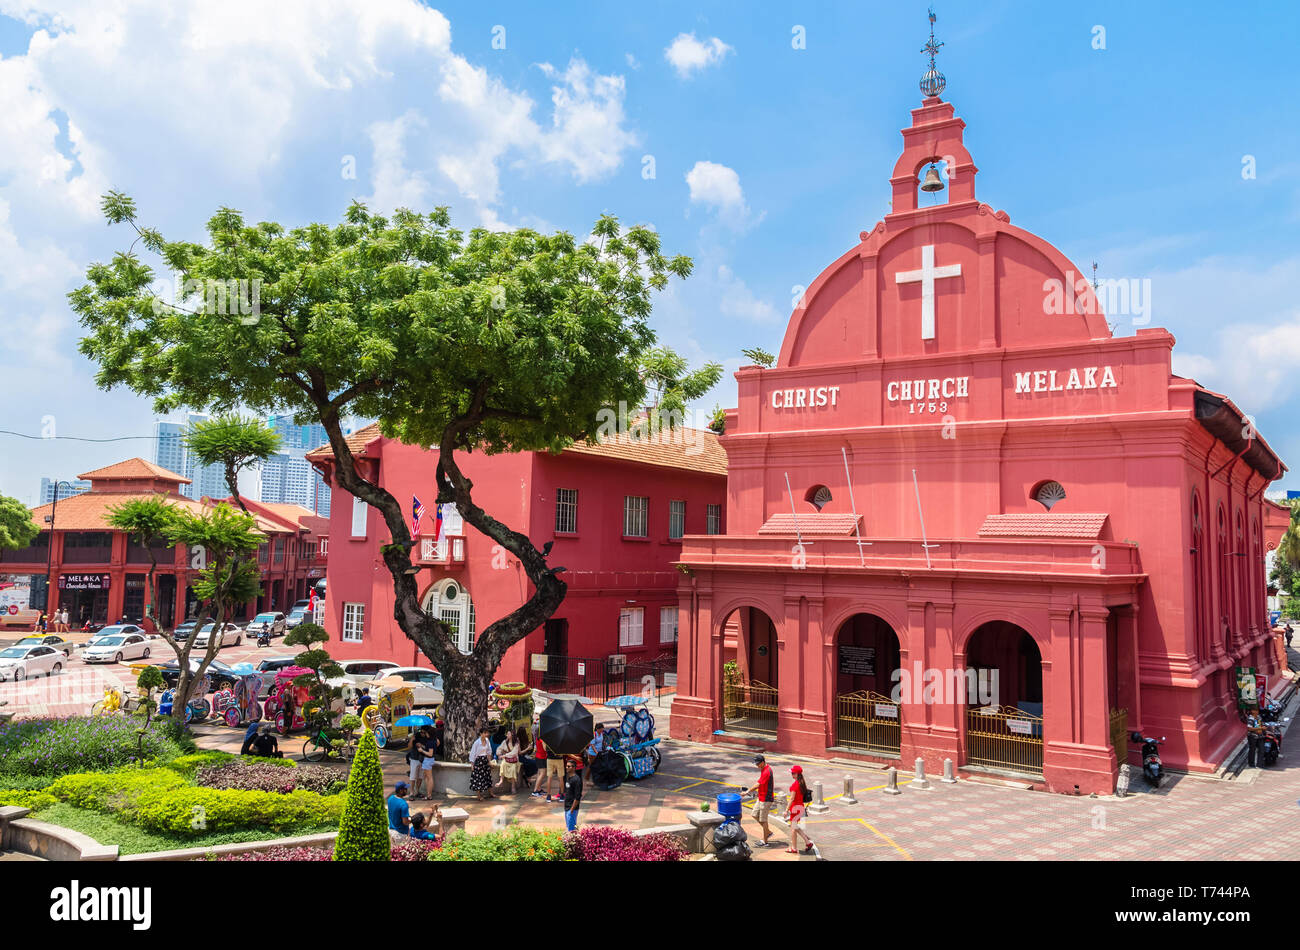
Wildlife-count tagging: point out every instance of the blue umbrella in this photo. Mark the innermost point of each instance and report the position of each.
(412, 721)
(620, 702)
(244, 669)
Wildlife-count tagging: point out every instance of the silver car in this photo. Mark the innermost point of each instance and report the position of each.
(272, 622)
(230, 634)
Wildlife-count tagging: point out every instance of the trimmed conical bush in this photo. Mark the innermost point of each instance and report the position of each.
(363, 832)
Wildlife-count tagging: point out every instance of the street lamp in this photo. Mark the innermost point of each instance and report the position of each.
(49, 559)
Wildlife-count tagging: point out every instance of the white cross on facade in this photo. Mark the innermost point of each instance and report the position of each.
(927, 275)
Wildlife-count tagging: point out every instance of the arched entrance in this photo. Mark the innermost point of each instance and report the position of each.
(1004, 714)
(866, 656)
(749, 677)
(449, 602)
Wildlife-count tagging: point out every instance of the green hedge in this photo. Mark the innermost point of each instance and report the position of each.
(519, 843)
(189, 765)
(23, 798)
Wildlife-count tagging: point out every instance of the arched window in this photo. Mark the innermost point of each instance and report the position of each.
(1198, 579)
(818, 496)
(449, 602)
(1048, 494)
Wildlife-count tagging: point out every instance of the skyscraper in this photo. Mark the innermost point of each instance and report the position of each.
(47, 489)
(287, 476)
(171, 453)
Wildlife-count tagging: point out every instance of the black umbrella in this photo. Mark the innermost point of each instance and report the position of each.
(566, 726)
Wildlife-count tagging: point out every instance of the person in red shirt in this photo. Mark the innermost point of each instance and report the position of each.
(762, 798)
(795, 811)
(539, 756)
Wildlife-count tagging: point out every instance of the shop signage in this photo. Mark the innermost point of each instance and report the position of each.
(857, 661)
(84, 581)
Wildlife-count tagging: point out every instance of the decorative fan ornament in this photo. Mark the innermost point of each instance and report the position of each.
(1049, 493)
(821, 498)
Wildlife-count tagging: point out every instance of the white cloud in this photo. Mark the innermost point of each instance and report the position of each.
(687, 54)
(632, 61)
(717, 187)
(587, 132)
(737, 300)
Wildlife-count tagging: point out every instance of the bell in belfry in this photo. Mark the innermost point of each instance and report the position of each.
(932, 181)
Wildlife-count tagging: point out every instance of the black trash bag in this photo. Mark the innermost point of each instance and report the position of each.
(736, 851)
(727, 834)
(608, 770)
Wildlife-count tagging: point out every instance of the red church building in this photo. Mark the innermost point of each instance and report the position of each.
(965, 521)
(616, 513)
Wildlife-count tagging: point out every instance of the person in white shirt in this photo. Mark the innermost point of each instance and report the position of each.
(480, 757)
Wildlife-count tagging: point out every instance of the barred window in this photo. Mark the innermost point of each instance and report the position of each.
(714, 520)
(566, 510)
(676, 519)
(354, 618)
(636, 510)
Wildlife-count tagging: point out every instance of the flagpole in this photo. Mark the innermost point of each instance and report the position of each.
(925, 546)
(856, 530)
(798, 535)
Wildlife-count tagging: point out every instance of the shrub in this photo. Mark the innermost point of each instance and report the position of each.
(59, 746)
(408, 850)
(363, 833)
(597, 843)
(517, 843)
(189, 765)
(113, 791)
(191, 811)
(26, 798)
(258, 775)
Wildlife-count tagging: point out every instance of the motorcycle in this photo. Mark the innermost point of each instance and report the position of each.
(1152, 767)
(1270, 743)
(264, 638)
(1270, 710)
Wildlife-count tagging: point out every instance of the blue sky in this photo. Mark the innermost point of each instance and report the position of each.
(768, 160)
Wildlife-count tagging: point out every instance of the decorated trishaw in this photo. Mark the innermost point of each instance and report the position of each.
(396, 700)
(284, 687)
(513, 703)
(238, 705)
(197, 709)
(631, 749)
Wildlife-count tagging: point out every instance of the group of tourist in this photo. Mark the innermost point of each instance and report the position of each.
(59, 621)
(796, 806)
(401, 819)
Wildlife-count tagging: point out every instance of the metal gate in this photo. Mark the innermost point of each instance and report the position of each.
(1004, 737)
(868, 721)
(749, 707)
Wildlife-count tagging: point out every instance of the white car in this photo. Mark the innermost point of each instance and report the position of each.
(230, 634)
(124, 646)
(425, 683)
(116, 630)
(363, 671)
(20, 663)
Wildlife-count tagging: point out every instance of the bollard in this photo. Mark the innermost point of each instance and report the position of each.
(919, 780)
(891, 786)
(818, 805)
(847, 798)
(1121, 784)
(948, 777)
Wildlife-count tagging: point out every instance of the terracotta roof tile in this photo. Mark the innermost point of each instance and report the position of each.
(812, 524)
(356, 442)
(1043, 525)
(89, 511)
(135, 468)
(697, 450)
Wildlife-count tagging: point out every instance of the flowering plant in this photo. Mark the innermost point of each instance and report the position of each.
(56, 746)
(600, 843)
(262, 777)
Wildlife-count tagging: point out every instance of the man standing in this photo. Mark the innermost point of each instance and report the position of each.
(762, 798)
(1253, 729)
(572, 794)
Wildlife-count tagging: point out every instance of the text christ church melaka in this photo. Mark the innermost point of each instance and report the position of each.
(946, 478)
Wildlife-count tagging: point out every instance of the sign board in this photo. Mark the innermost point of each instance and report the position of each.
(1246, 687)
(539, 662)
(857, 661)
(84, 581)
(670, 679)
(886, 710)
(1021, 727)
(582, 669)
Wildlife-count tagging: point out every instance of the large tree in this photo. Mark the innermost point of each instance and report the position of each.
(17, 530)
(486, 341)
(148, 521)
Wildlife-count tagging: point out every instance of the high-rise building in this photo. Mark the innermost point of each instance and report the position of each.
(287, 476)
(67, 488)
(172, 454)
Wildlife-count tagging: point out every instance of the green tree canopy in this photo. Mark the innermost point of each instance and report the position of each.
(148, 521)
(17, 530)
(757, 354)
(483, 341)
(234, 442)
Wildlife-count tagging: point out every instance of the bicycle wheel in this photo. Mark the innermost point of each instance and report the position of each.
(314, 751)
(656, 756)
(97, 709)
(381, 735)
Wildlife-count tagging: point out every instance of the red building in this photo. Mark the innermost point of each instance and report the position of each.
(966, 521)
(616, 513)
(100, 575)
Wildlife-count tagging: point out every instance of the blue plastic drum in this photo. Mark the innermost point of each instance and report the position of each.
(729, 806)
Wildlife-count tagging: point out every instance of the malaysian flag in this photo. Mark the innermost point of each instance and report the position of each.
(417, 512)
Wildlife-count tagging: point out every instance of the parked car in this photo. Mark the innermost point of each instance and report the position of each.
(46, 639)
(186, 630)
(273, 623)
(21, 662)
(230, 634)
(424, 683)
(117, 630)
(268, 668)
(296, 616)
(363, 671)
(219, 673)
(124, 646)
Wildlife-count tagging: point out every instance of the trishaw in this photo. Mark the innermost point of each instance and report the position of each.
(283, 687)
(630, 748)
(514, 703)
(197, 709)
(239, 706)
(373, 720)
(396, 700)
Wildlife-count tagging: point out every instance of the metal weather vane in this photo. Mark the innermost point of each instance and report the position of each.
(933, 82)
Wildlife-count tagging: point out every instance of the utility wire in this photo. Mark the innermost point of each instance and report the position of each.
(72, 438)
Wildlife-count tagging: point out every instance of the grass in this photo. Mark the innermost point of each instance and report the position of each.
(132, 840)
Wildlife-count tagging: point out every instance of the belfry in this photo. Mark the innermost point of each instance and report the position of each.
(965, 522)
